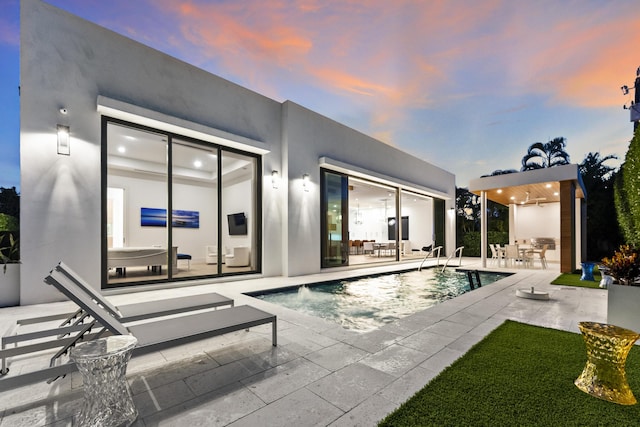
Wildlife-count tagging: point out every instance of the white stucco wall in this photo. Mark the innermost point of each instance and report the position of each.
(309, 136)
(67, 62)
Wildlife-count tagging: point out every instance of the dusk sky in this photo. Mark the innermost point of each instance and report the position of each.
(467, 85)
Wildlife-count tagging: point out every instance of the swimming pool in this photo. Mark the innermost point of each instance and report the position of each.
(367, 303)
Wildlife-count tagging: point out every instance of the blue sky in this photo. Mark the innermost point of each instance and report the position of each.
(467, 85)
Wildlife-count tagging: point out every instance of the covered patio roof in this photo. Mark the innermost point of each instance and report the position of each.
(560, 184)
(529, 187)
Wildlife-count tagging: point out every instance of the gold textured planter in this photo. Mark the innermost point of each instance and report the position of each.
(604, 375)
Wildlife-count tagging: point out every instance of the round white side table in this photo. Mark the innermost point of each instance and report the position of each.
(107, 396)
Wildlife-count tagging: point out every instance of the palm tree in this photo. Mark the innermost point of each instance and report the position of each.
(500, 172)
(593, 170)
(545, 155)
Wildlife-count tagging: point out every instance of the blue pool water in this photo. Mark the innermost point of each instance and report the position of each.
(367, 303)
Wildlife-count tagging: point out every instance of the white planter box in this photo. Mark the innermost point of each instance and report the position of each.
(623, 306)
(10, 285)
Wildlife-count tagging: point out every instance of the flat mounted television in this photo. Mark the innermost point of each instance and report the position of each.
(391, 228)
(237, 224)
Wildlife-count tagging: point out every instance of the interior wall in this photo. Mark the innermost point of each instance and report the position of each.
(539, 221)
(142, 192)
(237, 198)
(420, 224)
(203, 199)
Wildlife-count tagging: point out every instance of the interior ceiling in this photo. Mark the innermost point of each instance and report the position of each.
(367, 195)
(538, 193)
(145, 148)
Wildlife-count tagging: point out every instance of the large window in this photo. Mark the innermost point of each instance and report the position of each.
(361, 225)
(373, 230)
(334, 246)
(177, 208)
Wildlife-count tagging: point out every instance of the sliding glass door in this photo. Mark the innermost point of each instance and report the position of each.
(137, 201)
(335, 235)
(361, 224)
(194, 201)
(176, 208)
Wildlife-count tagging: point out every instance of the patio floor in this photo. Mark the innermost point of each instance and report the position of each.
(319, 375)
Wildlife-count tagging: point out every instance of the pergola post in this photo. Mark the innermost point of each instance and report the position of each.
(567, 226)
(483, 228)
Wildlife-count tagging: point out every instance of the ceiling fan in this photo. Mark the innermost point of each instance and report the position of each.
(535, 200)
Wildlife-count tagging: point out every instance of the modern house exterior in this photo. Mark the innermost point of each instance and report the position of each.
(139, 170)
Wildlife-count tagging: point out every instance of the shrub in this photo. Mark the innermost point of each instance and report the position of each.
(624, 265)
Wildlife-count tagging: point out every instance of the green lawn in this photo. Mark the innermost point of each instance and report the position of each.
(519, 375)
(573, 279)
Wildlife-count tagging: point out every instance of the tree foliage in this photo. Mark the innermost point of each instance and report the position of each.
(500, 172)
(627, 193)
(10, 202)
(603, 235)
(8, 223)
(468, 221)
(547, 155)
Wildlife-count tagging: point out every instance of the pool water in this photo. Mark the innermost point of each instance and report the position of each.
(367, 303)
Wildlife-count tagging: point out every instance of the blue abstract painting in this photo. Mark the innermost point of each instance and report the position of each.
(157, 217)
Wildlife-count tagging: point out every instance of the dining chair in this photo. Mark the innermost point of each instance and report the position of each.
(494, 254)
(511, 254)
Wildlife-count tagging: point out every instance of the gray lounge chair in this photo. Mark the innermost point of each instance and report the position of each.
(132, 312)
(79, 320)
(153, 335)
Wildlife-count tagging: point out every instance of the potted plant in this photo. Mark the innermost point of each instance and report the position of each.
(10, 275)
(624, 265)
(623, 296)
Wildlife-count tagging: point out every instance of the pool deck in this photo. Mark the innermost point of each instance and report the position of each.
(319, 375)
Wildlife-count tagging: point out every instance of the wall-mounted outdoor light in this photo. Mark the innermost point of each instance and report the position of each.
(305, 181)
(63, 140)
(275, 179)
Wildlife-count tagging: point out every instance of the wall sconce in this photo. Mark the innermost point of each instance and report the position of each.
(63, 140)
(305, 181)
(275, 179)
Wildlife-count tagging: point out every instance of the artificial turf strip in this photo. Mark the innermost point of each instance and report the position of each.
(572, 279)
(519, 375)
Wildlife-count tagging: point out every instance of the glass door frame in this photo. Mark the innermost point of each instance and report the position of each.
(257, 208)
(324, 226)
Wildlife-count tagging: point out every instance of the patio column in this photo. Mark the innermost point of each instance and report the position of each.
(483, 228)
(567, 226)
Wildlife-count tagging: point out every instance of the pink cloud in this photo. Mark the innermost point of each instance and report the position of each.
(9, 32)
(390, 58)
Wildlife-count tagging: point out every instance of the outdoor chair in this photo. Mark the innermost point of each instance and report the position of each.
(512, 255)
(495, 258)
(168, 331)
(530, 257)
(155, 334)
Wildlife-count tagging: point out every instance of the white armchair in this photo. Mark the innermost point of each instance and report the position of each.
(211, 254)
(239, 257)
